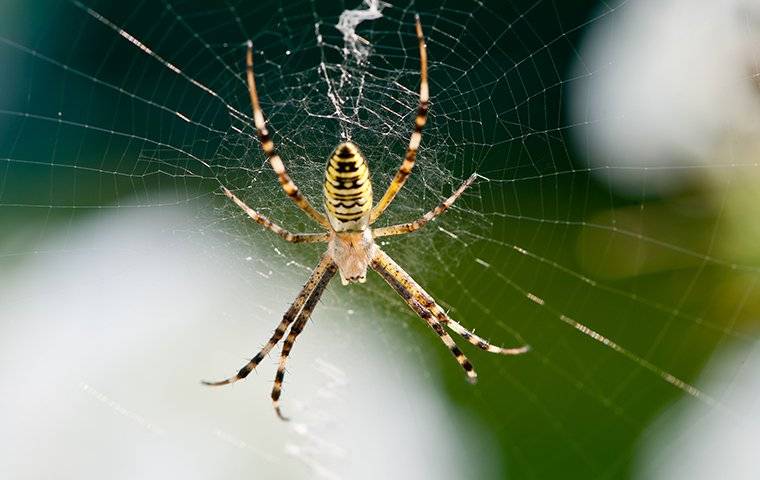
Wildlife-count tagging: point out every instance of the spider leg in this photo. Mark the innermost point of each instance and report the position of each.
(267, 145)
(427, 302)
(270, 225)
(420, 222)
(313, 283)
(296, 330)
(414, 142)
(400, 281)
(468, 335)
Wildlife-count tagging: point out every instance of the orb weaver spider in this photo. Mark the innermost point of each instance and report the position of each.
(351, 247)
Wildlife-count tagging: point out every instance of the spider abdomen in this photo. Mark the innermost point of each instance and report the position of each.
(347, 189)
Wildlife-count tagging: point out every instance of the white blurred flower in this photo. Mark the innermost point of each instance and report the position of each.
(104, 338)
(662, 84)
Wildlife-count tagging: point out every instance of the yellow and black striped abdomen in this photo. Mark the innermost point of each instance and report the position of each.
(348, 192)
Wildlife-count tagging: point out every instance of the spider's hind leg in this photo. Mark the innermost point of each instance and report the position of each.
(267, 145)
(403, 228)
(273, 227)
(414, 141)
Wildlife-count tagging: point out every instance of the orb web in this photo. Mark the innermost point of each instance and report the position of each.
(147, 108)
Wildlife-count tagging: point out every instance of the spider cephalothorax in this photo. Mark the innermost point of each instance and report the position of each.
(351, 247)
(352, 253)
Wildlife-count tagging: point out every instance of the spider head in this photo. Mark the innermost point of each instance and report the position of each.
(347, 189)
(352, 252)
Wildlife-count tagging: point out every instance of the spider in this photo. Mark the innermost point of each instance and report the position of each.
(351, 247)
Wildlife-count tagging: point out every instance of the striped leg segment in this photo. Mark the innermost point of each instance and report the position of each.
(269, 225)
(427, 302)
(422, 221)
(319, 272)
(267, 145)
(296, 330)
(414, 142)
(404, 286)
(474, 339)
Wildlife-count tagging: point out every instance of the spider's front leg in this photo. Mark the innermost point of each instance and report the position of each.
(311, 285)
(296, 330)
(400, 282)
(422, 303)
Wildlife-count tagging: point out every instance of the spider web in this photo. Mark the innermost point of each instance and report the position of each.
(625, 263)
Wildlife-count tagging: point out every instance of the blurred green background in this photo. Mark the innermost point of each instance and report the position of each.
(669, 275)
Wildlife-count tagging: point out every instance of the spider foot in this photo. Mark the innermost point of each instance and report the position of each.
(279, 413)
(511, 351)
(221, 382)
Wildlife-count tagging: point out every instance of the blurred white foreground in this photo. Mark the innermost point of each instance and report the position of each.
(694, 441)
(664, 86)
(103, 344)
